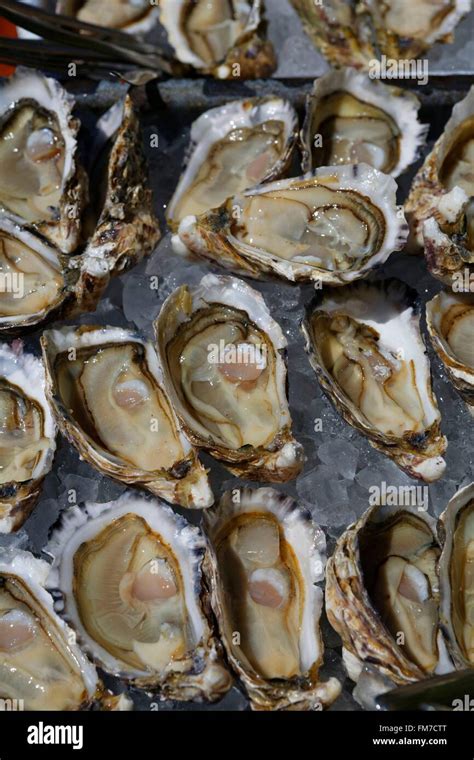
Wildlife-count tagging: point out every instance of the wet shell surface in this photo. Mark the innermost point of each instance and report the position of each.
(106, 387)
(223, 359)
(42, 668)
(365, 345)
(231, 148)
(137, 17)
(450, 320)
(267, 558)
(42, 185)
(27, 435)
(351, 118)
(332, 226)
(130, 577)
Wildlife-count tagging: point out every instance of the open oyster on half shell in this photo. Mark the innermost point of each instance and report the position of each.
(351, 118)
(332, 226)
(231, 148)
(382, 597)
(27, 435)
(106, 387)
(224, 368)
(41, 666)
(42, 186)
(219, 37)
(450, 320)
(456, 578)
(267, 558)
(365, 345)
(131, 582)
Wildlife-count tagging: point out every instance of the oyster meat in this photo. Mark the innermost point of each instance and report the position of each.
(42, 185)
(351, 118)
(382, 597)
(234, 147)
(219, 37)
(41, 666)
(331, 226)
(267, 557)
(365, 345)
(27, 435)
(456, 576)
(450, 320)
(106, 387)
(130, 576)
(223, 359)
(136, 17)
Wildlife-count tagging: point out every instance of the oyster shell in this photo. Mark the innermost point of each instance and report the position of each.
(445, 180)
(456, 528)
(450, 320)
(267, 557)
(233, 147)
(333, 226)
(365, 345)
(137, 17)
(41, 665)
(41, 185)
(358, 119)
(448, 238)
(106, 387)
(130, 576)
(221, 37)
(382, 597)
(27, 435)
(224, 368)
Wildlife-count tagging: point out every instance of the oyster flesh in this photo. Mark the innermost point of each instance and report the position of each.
(219, 37)
(382, 597)
(267, 557)
(27, 435)
(42, 186)
(331, 226)
(42, 668)
(351, 118)
(106, 387)
(136, 17)
(224, 368)
(456, 576)
(450, 320)
(365, 345)
(234, 147)
(129, 572)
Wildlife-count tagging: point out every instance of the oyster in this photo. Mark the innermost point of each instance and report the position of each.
(219, 37)
(444, 183)
(450, 320)
(130, 576)
(357, 32)
(106, 387)
(42, 668)
(41, 184)
(267, 557)
(27, 435)
(234, 147)
(456, 576)
(382, 597)
(333, 226)
(365, 345)
(137, 17)
(224, 367)
(352, 118)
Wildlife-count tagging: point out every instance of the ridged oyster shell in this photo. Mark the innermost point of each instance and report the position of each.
(332, 226)
(231, 148)
(106, 387)
(267, 557)
(365, 345)
(130, 577)
(223, 359)
(359, 119)
(42, 668)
